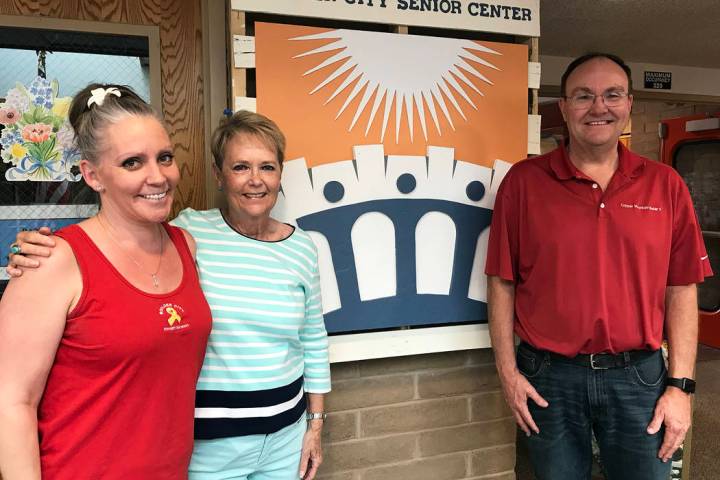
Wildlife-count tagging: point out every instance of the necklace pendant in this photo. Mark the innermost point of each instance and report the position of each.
(156, 282)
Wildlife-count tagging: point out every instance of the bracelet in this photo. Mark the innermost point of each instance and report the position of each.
(315, 416)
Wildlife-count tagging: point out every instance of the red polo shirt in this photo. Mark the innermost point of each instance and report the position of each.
(591, 267)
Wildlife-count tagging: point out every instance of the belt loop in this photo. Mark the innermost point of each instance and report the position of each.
(626, 358)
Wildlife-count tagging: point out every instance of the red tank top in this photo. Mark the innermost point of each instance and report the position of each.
(119, 400)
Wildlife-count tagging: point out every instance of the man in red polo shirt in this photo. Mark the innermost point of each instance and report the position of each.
(594, 256)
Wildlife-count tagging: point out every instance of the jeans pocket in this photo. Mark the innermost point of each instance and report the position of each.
(529, 363)
(650, 372)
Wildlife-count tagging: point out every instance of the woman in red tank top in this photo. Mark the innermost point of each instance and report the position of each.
(101, 349)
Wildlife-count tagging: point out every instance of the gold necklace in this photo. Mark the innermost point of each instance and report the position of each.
(156, 281)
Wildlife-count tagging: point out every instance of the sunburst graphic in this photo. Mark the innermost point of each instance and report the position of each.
(403, 69)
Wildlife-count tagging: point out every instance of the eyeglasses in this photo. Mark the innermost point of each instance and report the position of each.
(584, 100)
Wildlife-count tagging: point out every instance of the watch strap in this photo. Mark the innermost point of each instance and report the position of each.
(687, 385)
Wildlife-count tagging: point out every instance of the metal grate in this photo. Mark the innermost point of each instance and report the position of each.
(29, 200)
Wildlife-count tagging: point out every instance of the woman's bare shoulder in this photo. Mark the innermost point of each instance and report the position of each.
(60, 269)
(61, 257)
(192, 245)
(54, 287)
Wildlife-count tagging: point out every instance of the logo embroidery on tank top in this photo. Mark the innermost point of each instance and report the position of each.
(173, 315)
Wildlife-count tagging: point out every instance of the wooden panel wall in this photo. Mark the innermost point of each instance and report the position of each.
(181, 56)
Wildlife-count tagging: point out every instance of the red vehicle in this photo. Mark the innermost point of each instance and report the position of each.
(691, 145)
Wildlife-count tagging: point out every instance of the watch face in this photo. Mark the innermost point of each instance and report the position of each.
(689, 385)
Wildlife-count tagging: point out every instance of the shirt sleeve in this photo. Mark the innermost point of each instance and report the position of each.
(689, 262)
(502, 252)
(313, 337)
(182, 220)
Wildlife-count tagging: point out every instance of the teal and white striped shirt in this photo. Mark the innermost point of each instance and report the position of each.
(268, 338)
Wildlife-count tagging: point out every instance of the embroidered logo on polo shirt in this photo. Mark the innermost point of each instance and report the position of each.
(648, 208)
(173, 315)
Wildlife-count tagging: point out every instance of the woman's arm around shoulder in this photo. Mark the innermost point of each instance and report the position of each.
(33, 311)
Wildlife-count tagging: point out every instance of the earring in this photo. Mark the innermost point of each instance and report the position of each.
(220, 188)
(99, 188)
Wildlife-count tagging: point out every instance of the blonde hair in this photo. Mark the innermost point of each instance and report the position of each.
(89, 122)
(244, 122)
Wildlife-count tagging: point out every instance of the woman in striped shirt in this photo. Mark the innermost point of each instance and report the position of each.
(266, 367)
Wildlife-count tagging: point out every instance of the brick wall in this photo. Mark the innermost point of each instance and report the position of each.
(424, 417)
(645, 117)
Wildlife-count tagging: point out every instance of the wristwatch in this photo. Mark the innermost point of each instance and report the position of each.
(687, 385)
(315, 416)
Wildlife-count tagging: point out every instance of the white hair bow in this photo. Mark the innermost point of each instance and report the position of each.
(99, 94)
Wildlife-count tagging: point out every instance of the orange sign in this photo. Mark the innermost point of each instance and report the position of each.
(329, 90)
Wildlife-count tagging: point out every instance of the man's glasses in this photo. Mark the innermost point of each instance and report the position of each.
(584, 100)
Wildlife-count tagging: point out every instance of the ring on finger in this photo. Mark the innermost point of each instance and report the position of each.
(15, 249)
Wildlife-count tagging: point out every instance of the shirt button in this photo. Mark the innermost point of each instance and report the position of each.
(595, 185)
(602, 205)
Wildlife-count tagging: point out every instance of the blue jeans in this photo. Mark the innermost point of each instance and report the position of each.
(616, 404)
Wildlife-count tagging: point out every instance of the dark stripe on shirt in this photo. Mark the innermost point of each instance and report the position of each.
(208, 428)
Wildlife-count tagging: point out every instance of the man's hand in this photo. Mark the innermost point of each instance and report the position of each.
(34, 242)
(501, 319)
(672, 409)
(517, 391)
